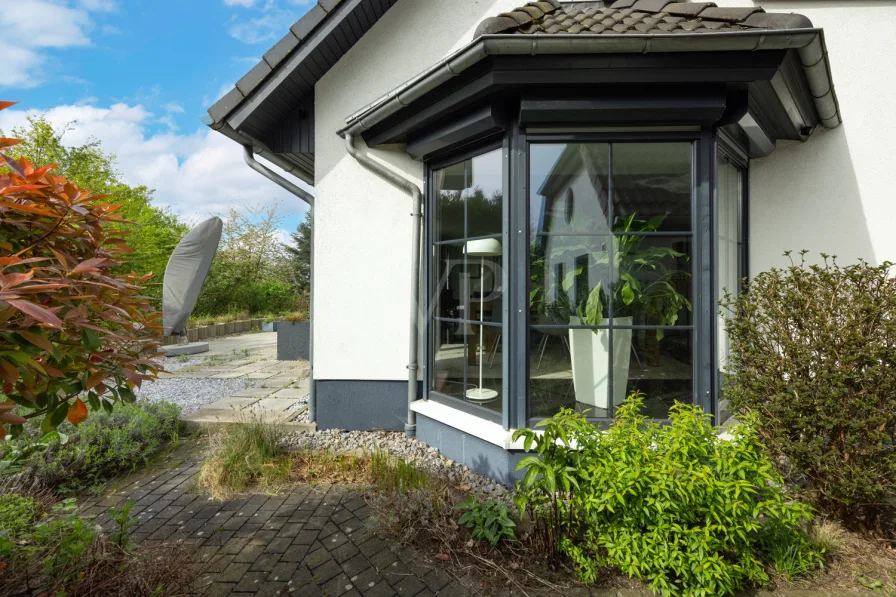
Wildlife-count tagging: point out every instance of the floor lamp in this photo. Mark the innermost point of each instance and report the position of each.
(482, 248)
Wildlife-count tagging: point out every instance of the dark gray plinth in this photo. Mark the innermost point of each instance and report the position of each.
(361, 404)
(486, 459)
(293, 340)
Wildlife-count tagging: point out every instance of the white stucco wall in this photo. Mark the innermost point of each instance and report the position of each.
(834, 193)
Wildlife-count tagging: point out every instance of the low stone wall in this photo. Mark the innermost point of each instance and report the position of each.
(207, 332)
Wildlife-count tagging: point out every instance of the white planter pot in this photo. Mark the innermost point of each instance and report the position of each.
(591, 363)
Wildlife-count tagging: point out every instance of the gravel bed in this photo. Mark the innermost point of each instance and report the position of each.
(410, 450)
(192, 393)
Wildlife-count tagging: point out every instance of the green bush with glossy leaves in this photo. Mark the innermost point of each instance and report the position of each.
(675, 505)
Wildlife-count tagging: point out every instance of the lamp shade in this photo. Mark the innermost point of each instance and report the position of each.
(483, 247)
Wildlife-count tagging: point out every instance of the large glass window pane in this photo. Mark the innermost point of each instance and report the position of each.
(658, 363)
(467, 294)
(581, 268)
(449, 358)
(652, 184)
(652, 280)
(450, 184)
(729, 244)
(569, 188)
(451, 281)
(569, 280)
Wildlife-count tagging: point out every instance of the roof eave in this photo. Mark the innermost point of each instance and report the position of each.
(260, 149)
(809, 42)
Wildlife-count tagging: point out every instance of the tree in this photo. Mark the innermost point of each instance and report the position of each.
(69, 326)
(157, 231)
(251, 271)
(300, 254)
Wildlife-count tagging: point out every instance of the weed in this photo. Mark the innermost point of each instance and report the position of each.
(246, 454)
(121, 516)
(182, 358)
(489, 521)
(828, 535)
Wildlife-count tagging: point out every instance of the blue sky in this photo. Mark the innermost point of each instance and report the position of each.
(137, 74)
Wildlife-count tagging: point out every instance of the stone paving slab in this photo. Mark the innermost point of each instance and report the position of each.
(293, 393)
(255, 393)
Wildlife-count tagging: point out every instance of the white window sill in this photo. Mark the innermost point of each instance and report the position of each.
(487, 431)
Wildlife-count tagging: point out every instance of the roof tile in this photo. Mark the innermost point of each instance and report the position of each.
(306, 24)
(635, 16)
(517, 15)
(281, 49)
(329, 5)
(732, 15)
(253, 78)
(533, 11)
(687, 9)
(651, 5)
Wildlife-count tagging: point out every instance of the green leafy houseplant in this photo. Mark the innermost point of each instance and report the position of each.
(489, 521)
(674, 505)
(814, 356)
(646, 279)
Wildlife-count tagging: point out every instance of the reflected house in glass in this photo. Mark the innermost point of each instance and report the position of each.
(616, 158)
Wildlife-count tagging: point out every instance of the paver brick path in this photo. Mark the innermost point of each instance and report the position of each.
(310, 541)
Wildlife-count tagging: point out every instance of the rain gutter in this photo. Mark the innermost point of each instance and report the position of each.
(808, 42)
(416, 194)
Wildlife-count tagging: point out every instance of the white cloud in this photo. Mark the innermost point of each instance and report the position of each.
(174, 108)
(267, 28)
(99, 5)
(245, 3)
(30, 27)
(197, 174)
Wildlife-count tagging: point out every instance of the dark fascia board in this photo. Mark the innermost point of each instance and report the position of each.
(809, 44)
(527, 74)
(477, 124)
(697, 106)
(325, 28)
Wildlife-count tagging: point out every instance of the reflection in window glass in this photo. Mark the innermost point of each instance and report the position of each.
(467, 293)
(659, 364)
(653, 180)
(582, 269)
(729, 243)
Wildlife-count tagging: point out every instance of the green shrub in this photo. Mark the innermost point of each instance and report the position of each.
(814, 356)
(103, 446)
(489, 521)
(674, 505)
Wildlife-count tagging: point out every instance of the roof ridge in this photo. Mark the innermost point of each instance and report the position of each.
(551, 16)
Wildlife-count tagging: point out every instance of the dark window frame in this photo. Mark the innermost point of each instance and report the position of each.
(708, 142)
(703, 180)
(468, 151)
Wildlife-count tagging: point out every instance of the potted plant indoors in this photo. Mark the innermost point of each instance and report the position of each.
(642, 288)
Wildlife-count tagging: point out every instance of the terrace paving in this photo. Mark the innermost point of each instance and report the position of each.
(281, 394)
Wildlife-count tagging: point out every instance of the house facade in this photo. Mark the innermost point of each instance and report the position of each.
(523, 208)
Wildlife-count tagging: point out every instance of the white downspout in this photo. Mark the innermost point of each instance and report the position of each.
(416, 194)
